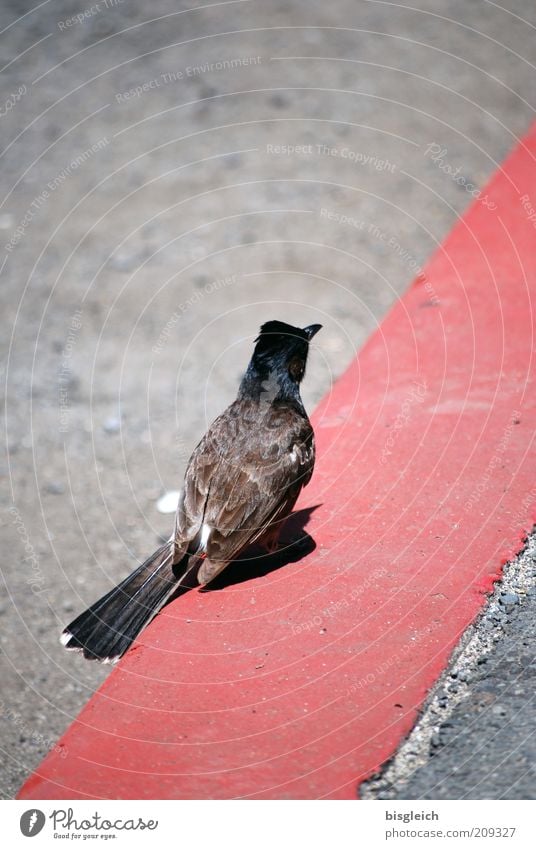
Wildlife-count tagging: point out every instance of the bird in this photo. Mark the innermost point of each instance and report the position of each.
(240, 485)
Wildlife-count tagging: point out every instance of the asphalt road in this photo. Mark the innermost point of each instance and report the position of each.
(172, 177)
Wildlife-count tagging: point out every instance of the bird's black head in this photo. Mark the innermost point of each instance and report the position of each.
(278, 362)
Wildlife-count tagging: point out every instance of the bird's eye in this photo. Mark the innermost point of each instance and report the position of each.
(296, 368)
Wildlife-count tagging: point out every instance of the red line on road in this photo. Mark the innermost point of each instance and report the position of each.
(301, 682)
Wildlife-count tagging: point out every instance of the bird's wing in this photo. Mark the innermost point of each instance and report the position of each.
(241, 478)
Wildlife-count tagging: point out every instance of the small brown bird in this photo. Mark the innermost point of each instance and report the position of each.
(241, 483)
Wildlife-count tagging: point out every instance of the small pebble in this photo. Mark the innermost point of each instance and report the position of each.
(435, 740)
(112, 425)
(6, 221)
(279, 101)
(333, 343)
(509, 601)
(168, 502)
(123, 261)
(233, 161)
(54, 488)
(509, 598)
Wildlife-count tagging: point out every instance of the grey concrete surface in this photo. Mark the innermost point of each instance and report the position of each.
(171, 177)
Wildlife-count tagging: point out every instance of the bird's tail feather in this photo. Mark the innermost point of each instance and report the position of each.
(106, 629)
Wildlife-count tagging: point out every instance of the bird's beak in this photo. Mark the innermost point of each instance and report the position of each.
(312, 330)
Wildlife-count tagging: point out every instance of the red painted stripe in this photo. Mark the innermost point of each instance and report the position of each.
(298, 684)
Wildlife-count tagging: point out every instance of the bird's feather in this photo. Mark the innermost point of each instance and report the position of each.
(241, 479)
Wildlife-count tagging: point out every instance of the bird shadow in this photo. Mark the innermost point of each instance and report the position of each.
(294, 544)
